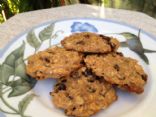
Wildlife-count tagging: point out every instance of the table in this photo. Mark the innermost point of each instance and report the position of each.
(21, 22)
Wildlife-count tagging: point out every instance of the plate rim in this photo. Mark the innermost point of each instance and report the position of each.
(14, 39)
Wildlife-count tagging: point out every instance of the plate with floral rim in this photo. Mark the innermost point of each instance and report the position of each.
(23, 96)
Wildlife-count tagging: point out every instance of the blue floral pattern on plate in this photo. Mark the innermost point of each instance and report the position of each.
(83, 27)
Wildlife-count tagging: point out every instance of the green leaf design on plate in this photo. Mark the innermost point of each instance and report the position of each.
(149, 51)
(25, 102)
(134, 44)
(11, 58)
(14, 65)
(19, 51)
(8, 66)
(25, 83)
(15, 83)
(6, 72)
(46, 32)
(33, 40)
(128, 35)
(123, 44)
(20, 68)
(19, 88)
(144, 57)
(0, 89)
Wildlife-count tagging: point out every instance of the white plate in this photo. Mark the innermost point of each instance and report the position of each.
(24, 97)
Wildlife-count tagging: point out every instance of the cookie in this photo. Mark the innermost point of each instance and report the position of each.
(54, 62)
(90, 43)
(83, 94)
(124, 72)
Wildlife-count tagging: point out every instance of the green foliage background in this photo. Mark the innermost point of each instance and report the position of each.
(9, 8)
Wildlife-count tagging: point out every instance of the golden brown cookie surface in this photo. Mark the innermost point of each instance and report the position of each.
(116, 69)
(54, 62)
(90, 42)
(83, 94)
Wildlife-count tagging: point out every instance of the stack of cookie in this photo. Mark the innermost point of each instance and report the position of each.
(87, 68)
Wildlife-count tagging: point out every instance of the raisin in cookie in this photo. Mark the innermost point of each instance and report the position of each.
(54, 62)
(116, 69)
(90, 42)
(83, 94)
